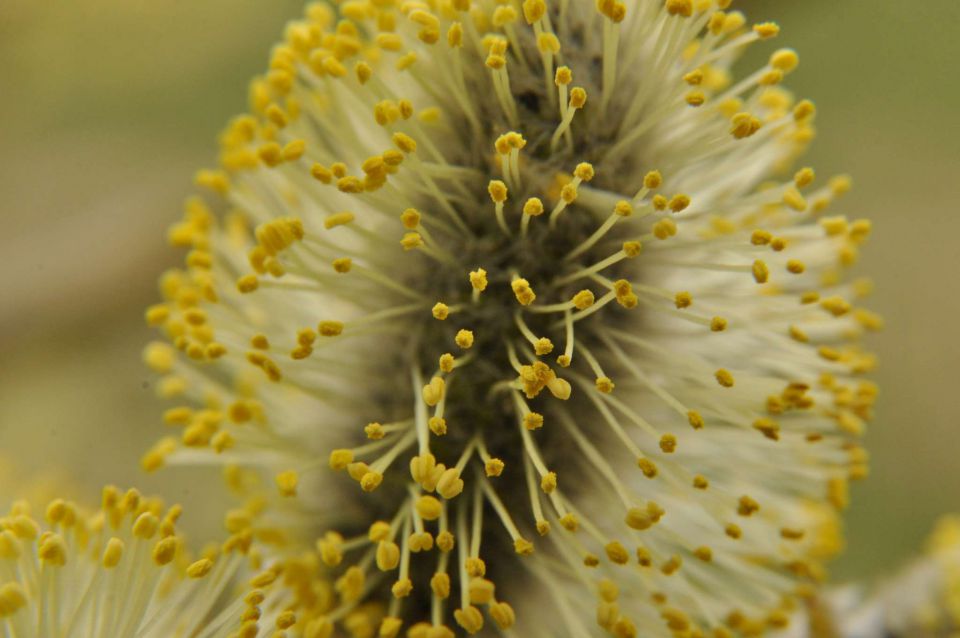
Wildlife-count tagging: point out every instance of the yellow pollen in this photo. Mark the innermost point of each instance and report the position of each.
(464, 339)
(478, 279)
(724, 378)
(440, 311)
(523, 292)
(583, 300)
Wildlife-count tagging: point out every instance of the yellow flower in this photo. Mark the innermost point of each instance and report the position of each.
(124, 572)
(423, 200)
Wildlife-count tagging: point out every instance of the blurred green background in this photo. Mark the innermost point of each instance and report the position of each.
(110, 105)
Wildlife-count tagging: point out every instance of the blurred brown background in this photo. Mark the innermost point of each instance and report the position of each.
(109, 106)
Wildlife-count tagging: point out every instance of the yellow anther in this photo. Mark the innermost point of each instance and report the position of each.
(533, 207)
(437, 425)
(631, 248)
(392, 158)
(733, 531)
(532, 421)
(404, 142)
(682, 8)
(718, 324)
(497, 190)
(760, 237)
(469, 618)
(411, 241)
(493, 467)
(793, 199)
(294, 150)
(420, 542)
(523, 292)
(744, 125)
(695, 419)
(604, 385)
(760, 270)
(548, 43)
(338, 219)
(659, 202)
(584, 171)
(795, 266)
(569, 193)
(13, 598)
(543, 346)
(617, 553)
(724, 378)
(837, 306)
(330, 328)
(623, 208)
(766, 29)
(668, 443)
(287, 483)
(371, 481)
(747, 506)
(695, 98)
(665, 228)
(146, 525)
(534, 10)
(425, 470)
(112, 553)
(429, 508)
(217, 181)
(446, 362)
(478, 279)
(679, 203)
(694, 78)
(523, 547)
(321, 173)
(502, 614)
(563, 76)
(340, 459)
(771, 78)
(700, 482)
(648, 467)
(496, 62)
(785, 60)
(270, 154)
(450, 484)
(548, 482)
(455, 35)
(433, 391)
(440, 311)
(578, 97)
(583, 300)
(464, 339)
(768, 428)
(200, 568)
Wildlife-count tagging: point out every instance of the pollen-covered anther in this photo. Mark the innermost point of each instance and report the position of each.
(533, 207)
(411, 241)
(523, 292)
(440, 311)
(724, 378)
(532, 421)
(583, 300)
(665, 228)
(433, 392)
(744, 125)
(668, 443)
(682, 8)
(478, 279)
(464, 339)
